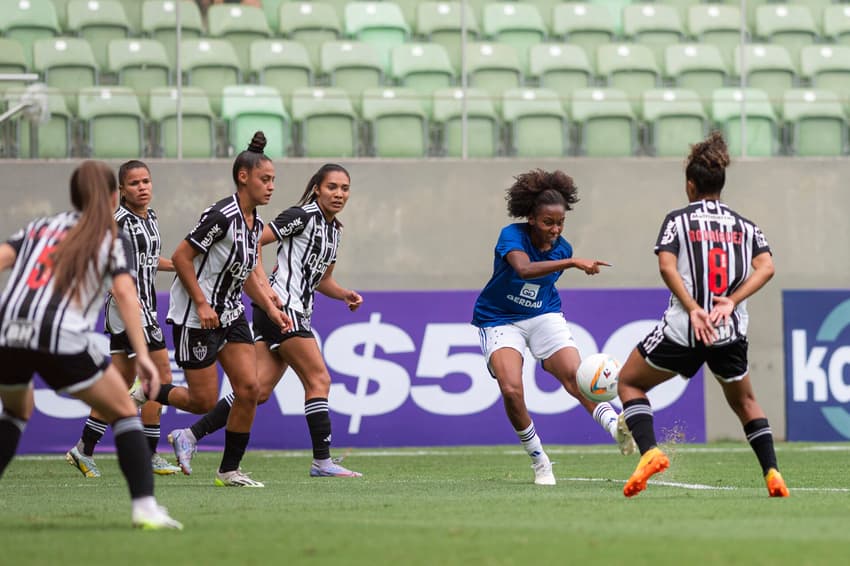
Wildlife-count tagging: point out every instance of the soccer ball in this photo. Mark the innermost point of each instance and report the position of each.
(597, 377)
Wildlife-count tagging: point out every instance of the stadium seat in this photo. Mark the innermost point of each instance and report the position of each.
(395, 122)
(66, 63)
(408, 10)
(629, 67)
(788, 25)
(61, 7)
(271, 8)
(424, 67)
(241, 25)
(653, 25)
(440, 22)
(536, 123)
(675, 119)
(546, 9)
(769, 68)
(28, 22)
(836, 23)
(54, 140)
(482, 123)
(827, 67)
(516, 24)
(141, 64)
(112, 122)
(326, 122)
(585, 25)
(728, 106)
(380, 24)
(752, 8)
(198, 123)
(159, 22)
(816, 7)
(352, 66)
(311, 24)
(211, 64)
(12, 61)
(681, 6)
(284, 65)
(493, 67)
(561, 67)
(248, 108)
(606, 123)
(98, 22)
(718, 25)
(338, 7)
(815, 123)
(615, 11)
(696, 66)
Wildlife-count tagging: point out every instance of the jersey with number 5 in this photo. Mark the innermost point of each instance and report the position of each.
(715, 247)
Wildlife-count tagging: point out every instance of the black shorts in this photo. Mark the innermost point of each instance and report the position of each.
(727, 362)
(267, 331)
(120, 344)
(67, 373)
(197, 348)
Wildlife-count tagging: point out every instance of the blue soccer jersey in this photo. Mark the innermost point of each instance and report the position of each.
(507, 297)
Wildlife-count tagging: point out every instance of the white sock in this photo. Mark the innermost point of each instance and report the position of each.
(531, 442)
(147, 503)
(323, 463)
(606, 416)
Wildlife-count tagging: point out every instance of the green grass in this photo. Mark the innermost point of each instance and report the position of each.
(443, 506)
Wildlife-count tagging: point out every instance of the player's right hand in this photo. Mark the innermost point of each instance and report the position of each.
(704, 330)
(208, 316)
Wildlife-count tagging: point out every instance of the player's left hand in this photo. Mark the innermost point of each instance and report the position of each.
(722, 310)
(353, 300)
(281, 319)
(704, 330)
(590, 266)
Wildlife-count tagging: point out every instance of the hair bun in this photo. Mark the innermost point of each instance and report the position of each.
(258, 143)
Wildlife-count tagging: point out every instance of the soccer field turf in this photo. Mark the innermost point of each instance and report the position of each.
(443, 506)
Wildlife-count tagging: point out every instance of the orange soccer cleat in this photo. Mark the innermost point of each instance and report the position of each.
(775, 484)
(653, 462)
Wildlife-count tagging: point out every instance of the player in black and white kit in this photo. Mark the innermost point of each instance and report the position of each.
(308, 237)
(61, 267)
(712, 259)
(139, 225)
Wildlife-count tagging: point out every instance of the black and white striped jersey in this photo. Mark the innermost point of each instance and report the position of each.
(715, 247)
(307, 247)
(228, 254)
(145, 245)
(32, 314)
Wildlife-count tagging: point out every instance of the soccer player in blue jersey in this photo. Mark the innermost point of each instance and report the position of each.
(520, 308)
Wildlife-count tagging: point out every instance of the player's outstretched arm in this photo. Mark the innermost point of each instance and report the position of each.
(329, 287)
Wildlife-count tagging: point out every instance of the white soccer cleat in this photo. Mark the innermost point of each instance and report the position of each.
(155, 519)
(137, 393)
(624, 438)
(184, 448)
(543, 472)
(161, 467)
(236, 478)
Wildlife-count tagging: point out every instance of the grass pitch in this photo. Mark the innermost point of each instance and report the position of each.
(443, 506)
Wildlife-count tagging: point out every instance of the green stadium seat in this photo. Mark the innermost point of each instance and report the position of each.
(653, 25)
(352, 66)
(815, 123)
(98, 22)
(284, 65)
(241, 25)
(752, 8)
(112, 122)
(197, 121)
(769, 68)
(546, 9)
(836, 23)
(61, 7)
(338, 7)
(271, 8)
(326, 122)
(408, 10)
(440, 22)
(141, 64)
(12, 61)
(478, 7)
(311, 24)
(516, 24)
(730, 104)
(54, 140)
(585, 25)
(211, 64)
(718, 25)
(681, 6)
(66, 63)
(380, 24)
(615, 11)
(493, 67)
(561, 67)
(249, 108)
(675, 119)
(536, 123)
(159, 22)
(28, 22)
(606, 123)
(827, 67)
(788, 25)
(629, 67)
(696, 66)
(395, 122)
(424, 67)
(816, 7)
(482, 123)
(133, 11)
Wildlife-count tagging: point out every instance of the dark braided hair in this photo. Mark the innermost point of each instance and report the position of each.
(251, 157)
(707, 163)
(539, 188)
(317, 179)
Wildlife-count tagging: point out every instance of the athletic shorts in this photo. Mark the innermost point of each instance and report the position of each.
(197, 348)
(65, 373)
(544, 335)
(119, 343)
(727, 362)
(267, 331)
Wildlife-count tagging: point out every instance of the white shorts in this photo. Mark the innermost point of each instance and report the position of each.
(543, 335)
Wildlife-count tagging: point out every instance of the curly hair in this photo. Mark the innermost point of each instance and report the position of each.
(538, 188)
(707, 163)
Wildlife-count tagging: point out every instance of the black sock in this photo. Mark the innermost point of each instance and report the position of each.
(152, 436)
(760, 438)
(133, 456)
(214, 420)
(11, 429)
(92, 433)
(164, 390)
(319, 423)
(638, 414)
(235, 444)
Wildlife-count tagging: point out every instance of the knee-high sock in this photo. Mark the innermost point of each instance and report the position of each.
(606, 416)
(152, 432)
(531, 442)
(319, 423)
(164, 390)
(133, 456)
(11, 429)
(235, 444)
(215, 419)
(639, 420)
(760, 437)
(92, 433)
